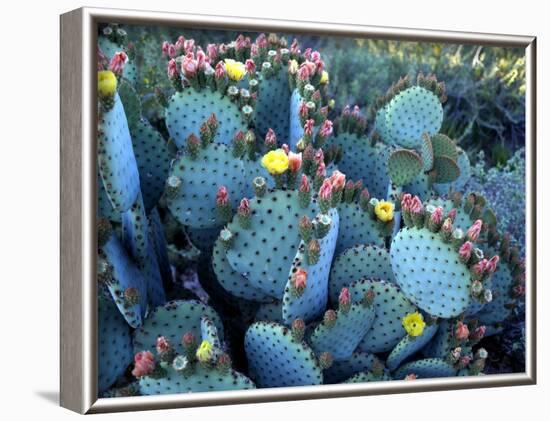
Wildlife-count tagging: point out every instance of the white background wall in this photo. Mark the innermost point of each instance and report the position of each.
(29, 212)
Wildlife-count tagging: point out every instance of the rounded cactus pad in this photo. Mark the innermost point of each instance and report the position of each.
(426, 369)
(158, 238)
(446, 170)
(420, 186)
(443, 145)
(124, 280)
(410, 345)
(311, 302)
(115, 155)
(430, 273)
(264, 252)
(363, 160)
(187, 110)
(390, 306)
(231, 280)
(403, 166)
(411, 113)
(173, 320)
(273, 104)
(441, 343)
(131, 101)
(105, 209)
(368, 376)
(270, 312)
(201, 379)
(342, 336)
(275, 359)
(203, 238)
(356, 363)
(465, 168)
(381, 126)
(194, 202)
(362, 261)
(114, 344)
(501, 306)
(356, 227)
(153, 158)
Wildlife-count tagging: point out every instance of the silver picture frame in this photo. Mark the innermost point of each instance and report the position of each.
(78, 385)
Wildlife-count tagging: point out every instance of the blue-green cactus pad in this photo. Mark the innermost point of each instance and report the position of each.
(275, 359)
(273, 104)
(115, 156)
(195, 201)
(426, 369)
(203, 238)
(356, 227)
(410, 114)
(189, 109)
(231, 280)
(173, 320)
(420, 186)
(429, 272)
(153, 158)
(200, 380)
(441, 343)
(296, 128)
(104, 207)
(390, 306)
(131, 102)
(342, 338)
(465, 167)
(114, 345)
(313, 301)
(253, 169)
(496, 311)
(125, 275)
(109, 48)
(380, 125)
(371, 262)
(158, 239)
(410, 345)
(356, 363)
(367, 377)
(270, 312)
(209, 332)
(137, 239)
(265, 251)
(363, 161)
(404, 166)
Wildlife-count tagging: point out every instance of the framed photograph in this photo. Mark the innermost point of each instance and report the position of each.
(257, 210)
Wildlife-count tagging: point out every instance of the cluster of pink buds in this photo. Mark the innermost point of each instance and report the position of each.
(413, 210)
(352, 121)
(144, 364)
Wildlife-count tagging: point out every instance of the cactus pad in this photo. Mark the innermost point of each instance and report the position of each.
(359, 262)
(446, 169)
(429, 272)
(411, 113)
(390, 306)
(410, 345)
(187, 110)
(465, 168)
(358, 362)
(499, 308)
(368, 376)
(270, 312)
(356, 227)
(425, 369)
(115, 155)
(444, 146)
(194, 204)
(312, 302)
(273, 104)
(275, 359)
(403, 166)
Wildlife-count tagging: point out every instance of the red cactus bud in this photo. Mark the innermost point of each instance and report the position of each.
(344, 300)
(308, 127)
(220, 72)
(117, 63)
(165, 46)
(326, 129)
(461, 332)
(492, 263)
(172, 69)
(474, 231)
(144, 364)
(325, 192)
(172, 51)
(465, 251)
(305, 187)
(244, 207)
(250, 66)
(270, 140)
(222, 196)
(294, 161)
(437, 215)
(478, 333)
(299, 282)
(162, 345)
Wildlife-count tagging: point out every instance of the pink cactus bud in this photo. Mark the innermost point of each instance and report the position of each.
(172, 51)
(307, 53)
(172, 69)
(270, 138)
(304, 110)
(250, 66)
(479, 333)
(180, 43)
(244, 207)
(144, 364)
(465, 360)
(338, 180)
(365, 195)
(188, 339)
(326, 129)
(222, 196)
(308, 127)
(319, 66)
(165, 46)
(261, 41)
(350, 185)
(285, 148)
(474, 230)
(294, 161)
(325, 192)
(305, 187)
(220, 72)
(465, 251)
(212, 51)
(437, 215)
(492, 264)
(405, 199)
(321, 170)
(452, 214)
(319, 157)
(117, 63)
(416, 205)
(303, 73)
(411, 376)
(299, 280)
(189, 66)
(480, 267)
(202, 60)
(344, 299)
(316, 96)
(240, 43)
(294, 48)
(162, 345)
(189, 46)
(315, 56)
(461, 332)
(330, 317)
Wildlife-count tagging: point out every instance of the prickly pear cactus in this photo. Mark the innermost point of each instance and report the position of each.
(410, 345)
(358, 362)
(426, 369)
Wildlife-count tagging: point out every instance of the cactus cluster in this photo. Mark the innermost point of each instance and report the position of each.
(251, 242)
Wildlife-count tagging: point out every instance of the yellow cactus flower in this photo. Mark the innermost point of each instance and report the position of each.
(235, 69)
(106, 83)
(275, 162)
(324, 78)
(204, 352)
(414, 324)
(384, 210)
